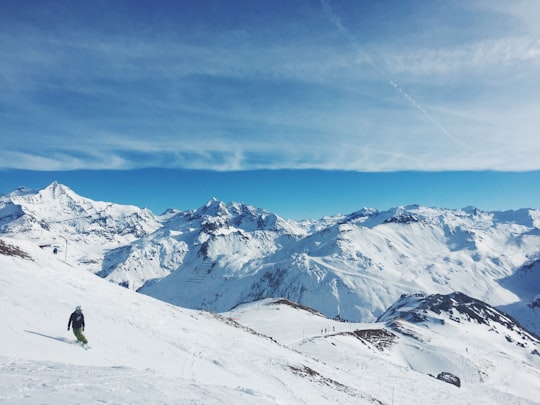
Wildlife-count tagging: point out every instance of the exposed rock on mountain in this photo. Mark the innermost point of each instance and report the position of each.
(459, 308)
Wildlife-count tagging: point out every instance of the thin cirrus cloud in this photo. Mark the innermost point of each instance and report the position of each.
(494, 55)
(332, 97)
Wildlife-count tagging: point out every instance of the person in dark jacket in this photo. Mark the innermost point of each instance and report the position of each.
(76, 320)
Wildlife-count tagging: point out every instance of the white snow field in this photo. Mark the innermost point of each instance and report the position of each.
(144, 351)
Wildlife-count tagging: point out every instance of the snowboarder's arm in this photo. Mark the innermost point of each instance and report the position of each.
(69, 322)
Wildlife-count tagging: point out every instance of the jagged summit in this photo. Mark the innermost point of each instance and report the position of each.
(56, 213)
(216, 214)
(54, 194)
(214, 207)
(57, 189)
(459, 308)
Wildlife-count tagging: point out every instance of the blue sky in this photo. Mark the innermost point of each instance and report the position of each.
(285, 92)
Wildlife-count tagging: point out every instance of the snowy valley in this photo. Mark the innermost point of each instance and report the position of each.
(230, 303)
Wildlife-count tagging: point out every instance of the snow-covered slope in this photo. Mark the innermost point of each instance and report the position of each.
(347, 266)
(142, 350)
(464, 341)
(147, 351)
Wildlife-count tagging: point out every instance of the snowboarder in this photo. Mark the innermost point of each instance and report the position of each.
(77, 321)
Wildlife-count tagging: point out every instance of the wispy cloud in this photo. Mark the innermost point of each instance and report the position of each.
(235, 98)
(489, 56)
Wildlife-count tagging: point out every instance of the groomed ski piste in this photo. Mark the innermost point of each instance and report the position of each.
(268, 352)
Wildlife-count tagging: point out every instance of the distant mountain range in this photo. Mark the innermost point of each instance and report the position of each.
(351, 267)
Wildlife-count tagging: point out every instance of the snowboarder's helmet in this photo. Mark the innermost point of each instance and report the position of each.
(78, 308)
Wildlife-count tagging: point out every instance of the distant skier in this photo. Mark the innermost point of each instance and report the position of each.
(77, 321)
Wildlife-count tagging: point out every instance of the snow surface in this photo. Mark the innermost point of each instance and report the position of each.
(147, 351)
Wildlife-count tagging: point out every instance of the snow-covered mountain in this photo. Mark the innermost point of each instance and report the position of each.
(82, 230)
(350, 267)
(444, 349)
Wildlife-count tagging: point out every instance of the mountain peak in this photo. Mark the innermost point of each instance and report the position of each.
(457, 307)
(212, 201)
(214, 207)
(57, 190)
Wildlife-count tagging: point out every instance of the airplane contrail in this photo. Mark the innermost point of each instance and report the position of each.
(329, 13)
